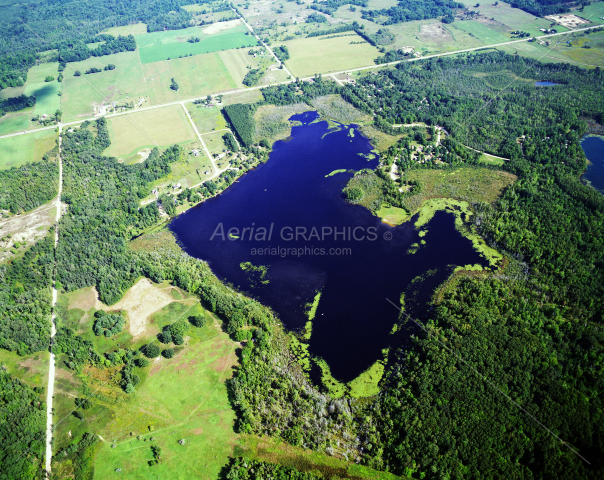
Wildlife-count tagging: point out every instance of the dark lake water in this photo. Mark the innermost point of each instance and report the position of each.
(353, 320)
(545, 84)
(594, 151)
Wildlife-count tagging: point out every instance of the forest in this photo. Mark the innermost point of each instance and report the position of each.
(544, 7)
(16, 103)
(409, 10)
(22, 411)
(28, 186)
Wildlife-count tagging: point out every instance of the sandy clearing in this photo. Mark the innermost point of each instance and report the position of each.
(143, 154)
(29, 227)
(220, 26)
(143, 299)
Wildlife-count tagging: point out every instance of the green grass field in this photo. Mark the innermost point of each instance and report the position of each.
(157, 46)
(134, 29)
(159, 127)
(206, 118)
(31, 369)
(14, 122)
(215, 143)
(320, 55)
(46, 93)
(16, 151)
(197, 76)
(514, 18)
(125, 83)
(482, 32)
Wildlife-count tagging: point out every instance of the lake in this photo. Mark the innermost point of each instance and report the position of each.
(593, 146)
(545, 84)
(340, 249)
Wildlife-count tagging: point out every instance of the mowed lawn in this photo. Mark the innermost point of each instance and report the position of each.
(322, 55)
(196, 76)
(16, 151)
(157, 46)
(126, 82)
(160, 127)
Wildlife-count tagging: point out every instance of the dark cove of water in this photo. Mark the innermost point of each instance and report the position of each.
(594, 151)
(291, 191)
(545, 84)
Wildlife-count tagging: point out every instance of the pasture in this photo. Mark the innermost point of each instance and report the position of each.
(14, 122)
(157, 46)
(159, 127)
(513, 18)
(593, 12)
(238, 63)
(484, 33)
(46, 93)
(322, 55)
(82, 94)
(206, 118)
(16, 151)
(197, 76)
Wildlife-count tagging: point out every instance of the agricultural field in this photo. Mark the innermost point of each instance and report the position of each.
(141, 131)
(23, 149)
(322, 55)
(206, 118)
(205, 14)
(47, 93)
(196, 76)
(486, 34)
(157, 46)
(513, 18)
(86, 95)
(593, 12)
(47, 96)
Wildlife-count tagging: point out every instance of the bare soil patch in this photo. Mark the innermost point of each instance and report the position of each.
(568, 21)
(435, 32)
(143, 155)
(27, 228)
(143, 299)
(221, 26)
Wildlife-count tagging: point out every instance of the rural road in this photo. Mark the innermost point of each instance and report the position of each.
(331, 74)
(279, 62)
(53, 331)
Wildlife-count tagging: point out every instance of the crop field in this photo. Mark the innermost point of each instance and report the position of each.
(46, 93)
(134, 29)
(22, 149)
(82, 94)
(157, 46)
(206, 118)
(196, 76)
(159, 127)
(321, 55)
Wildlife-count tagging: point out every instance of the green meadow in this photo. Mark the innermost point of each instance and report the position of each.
(22, 149)
(157, 46)
(125, 83)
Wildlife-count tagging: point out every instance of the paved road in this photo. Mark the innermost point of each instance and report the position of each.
(53, 331)
(241, 90)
